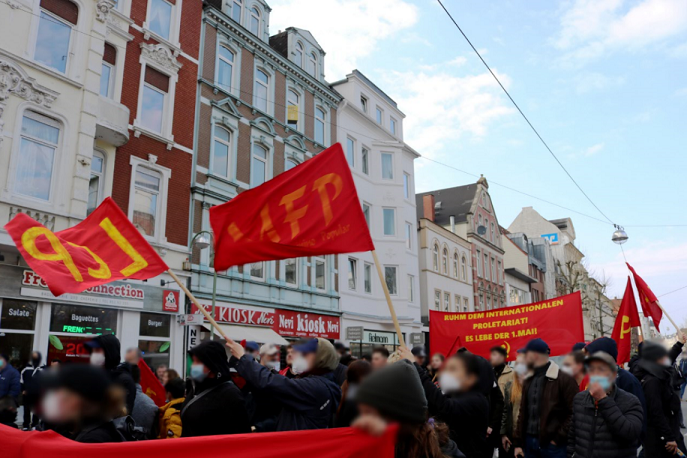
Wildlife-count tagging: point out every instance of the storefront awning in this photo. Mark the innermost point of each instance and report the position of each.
(257, 334)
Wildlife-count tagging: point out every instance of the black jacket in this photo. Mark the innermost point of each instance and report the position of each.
(465, 414)
(98, 432)
(607, 429)
(119, 373)
(221, 410)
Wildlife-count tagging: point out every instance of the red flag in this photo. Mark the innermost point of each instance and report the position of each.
(102, 248)
(310, 210)
(150, 384)
(628, 318)
(647, 299)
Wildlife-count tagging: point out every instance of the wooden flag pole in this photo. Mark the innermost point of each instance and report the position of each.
(200, 307)
(388, 299)
(677, 328)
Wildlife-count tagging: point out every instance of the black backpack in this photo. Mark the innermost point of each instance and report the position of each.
(128, 429)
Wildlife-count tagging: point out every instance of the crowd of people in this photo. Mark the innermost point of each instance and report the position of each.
(457, 405)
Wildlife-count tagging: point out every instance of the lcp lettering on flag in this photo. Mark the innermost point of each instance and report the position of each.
(102, 248)
(309, 210)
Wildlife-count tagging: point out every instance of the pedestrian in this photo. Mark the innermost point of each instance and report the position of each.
(607, 421)
(341, 349)
(269, 357)
(170, 374)
(310, 400)
(380, 356)
(546, 406)
(578, 346)
(461, 401)
(105, 352)
(30, 388)
(394, 394)
(145, 412)
(10, 388)
(80, 404)
(264, 408)
(252, 348)
(287, 372)
(420, 355)
(133, 355)
(655, 371)
(160, 371)
(504, 379)
(217, 405)
(503, 372)
(435, 365)
(682, 369)
(170, 414)
(512, 397)
(573, 365)
(348, 407)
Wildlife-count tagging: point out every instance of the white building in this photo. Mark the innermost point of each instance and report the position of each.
(516, 262)
(370, 128)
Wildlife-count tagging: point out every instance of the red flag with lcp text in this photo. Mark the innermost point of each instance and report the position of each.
(102, 248)
(628, 318)
(312, 209)
(647, 299)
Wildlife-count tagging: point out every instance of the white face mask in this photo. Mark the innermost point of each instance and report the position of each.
(568, 370)
(666, 362)
(448, 383)
(97, 359)
(52, 408)
(300, 365)
(274, 365)
(520, 369)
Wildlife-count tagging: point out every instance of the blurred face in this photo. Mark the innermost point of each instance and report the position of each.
(61, 406)
(573, 368)
(131, 356)
(3, 363)
(198, 363)
(289, 356)
(378, 360)
(420, 360)
(365, 409)
(456, 368)
(264, 359)
(599, 368)
(534, 359)
(437, 362)
(497, 359)
(55, 364)
(161, 371)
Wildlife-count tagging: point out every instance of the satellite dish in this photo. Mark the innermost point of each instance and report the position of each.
(481, 230)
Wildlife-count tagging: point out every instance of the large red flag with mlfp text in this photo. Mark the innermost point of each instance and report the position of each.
(628, 318)
(102, 248)
(647, 299)
(312, 209)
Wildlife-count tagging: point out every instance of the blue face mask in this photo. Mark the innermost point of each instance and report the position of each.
(604, 382)
(197, 372)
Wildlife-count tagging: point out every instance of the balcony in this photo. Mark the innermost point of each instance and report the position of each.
(112, 125)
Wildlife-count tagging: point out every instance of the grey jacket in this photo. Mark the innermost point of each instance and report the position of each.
(608, 429)
(145, 411)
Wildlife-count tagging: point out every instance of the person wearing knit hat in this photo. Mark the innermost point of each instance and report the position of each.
(578, 346)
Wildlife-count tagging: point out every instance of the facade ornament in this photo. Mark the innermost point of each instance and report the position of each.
(14, 80)
(13, 4)
(102, 9)
(152, 159)
(161, 55)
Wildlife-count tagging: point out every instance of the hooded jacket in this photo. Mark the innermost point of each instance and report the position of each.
(120, 373)
(170, 419)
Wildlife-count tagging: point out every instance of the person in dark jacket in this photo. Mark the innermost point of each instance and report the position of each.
(216, 405)
(10, 388)
(348, 408)
(80, 403)
(655, 370)
(30, 388)
(308, 401)
(105, 352)
(546, 406)
(263, 408)
(607, 421)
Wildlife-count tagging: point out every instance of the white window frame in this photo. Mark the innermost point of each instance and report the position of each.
(270, 88)
(479, 263)
(235, 83)
(392, 293)
(455, 262)
(174, 24)
(367, 277)
(234, 3)
(437, 300)
(447, 301)
(393, 124)
(364, 103)
(101, 175)
(384, 210)
(350, 155)
(301, 111)
(267, 160)
(251, 15)
(500, 274)
(406, 185)
(444, 261)
(352, 273)
(365, 160)
(381, 162)
(486, 267)
(464, 268)
(379, 115)
(249, 267)
(435, 257)
(283, 271)
(313, 60)
(230, 151)
(325, 137)
(409, 235)
(368, 217)
(315, 260)
(71, 49)
(168, 110)
(411, 288)
(161, 216)
(110, 83)
(298, 48)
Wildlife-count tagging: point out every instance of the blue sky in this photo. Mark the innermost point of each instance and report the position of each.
(602, 80)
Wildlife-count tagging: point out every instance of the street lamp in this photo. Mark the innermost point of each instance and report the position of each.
(201, 241)
(619, 236)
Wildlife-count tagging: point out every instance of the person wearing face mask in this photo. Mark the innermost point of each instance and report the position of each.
(573, 365)
(105, 352)
(348, 408)
(607, 421)
(308, 401)
(655, 370)
(262, 407)
(30, 388)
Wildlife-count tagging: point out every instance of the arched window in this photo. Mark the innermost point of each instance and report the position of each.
(293, 103)
(255, 21)
(299, 54)
(444, 261)
(225, 68)
(464, 268)
(290, 163)
(455, 265)
(221, 152)
(435, 258)
(312, 64)
(262, 83)
(320, 117)
(258, 166)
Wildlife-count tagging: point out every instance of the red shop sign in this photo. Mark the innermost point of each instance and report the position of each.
(237, 315)
(302, 324)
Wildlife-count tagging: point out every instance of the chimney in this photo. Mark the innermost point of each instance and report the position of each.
(428, 206)
(453, 223)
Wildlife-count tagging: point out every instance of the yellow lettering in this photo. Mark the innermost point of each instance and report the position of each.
(103, 272)
(292, 216)
(139, 263)
(321, 186)
(267, 226)
(28, 241)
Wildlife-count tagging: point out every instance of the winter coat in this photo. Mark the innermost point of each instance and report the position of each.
(556, 402)
(339, 374)
(119, 373)
(29, 380)
(170, 419)
(607, 429)
(99, 432)
(505, 378)
(222, 410)
(10, 384)
(629, 383)
(465, 414)
(308, 402)
(145, 410)
(263, 409)
(511, 410)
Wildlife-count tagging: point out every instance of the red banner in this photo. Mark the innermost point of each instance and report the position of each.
(628, 318)
(150, 385)
(325, 443)
(557, 321)
(102, 248)
(312, 209)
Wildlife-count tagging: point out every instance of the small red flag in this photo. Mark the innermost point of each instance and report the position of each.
(628, 318)
(150, 384)
(310, 210)
(647, 299)
(102, 248)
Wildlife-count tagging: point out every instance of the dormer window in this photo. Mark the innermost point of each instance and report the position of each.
(312, 64)
(255, 21)
(299, 55)
(236, 10)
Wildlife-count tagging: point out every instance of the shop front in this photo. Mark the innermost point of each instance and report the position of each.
(139, 314)
(372, 339)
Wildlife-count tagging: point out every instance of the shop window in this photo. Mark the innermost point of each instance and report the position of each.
(57, 20)
(71, 326)
(107, 74)
(96, 182)
(155, 342)
(17, 326)
(39, 146)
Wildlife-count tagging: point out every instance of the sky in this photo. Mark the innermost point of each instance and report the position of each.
(603, 81)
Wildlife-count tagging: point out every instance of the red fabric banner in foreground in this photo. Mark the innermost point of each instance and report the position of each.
(310, 210)
(628, 318)
(102, 248)
(327, 443)
(647, 300)
(557, 321)
(150, 384)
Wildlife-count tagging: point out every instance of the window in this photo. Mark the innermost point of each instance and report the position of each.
(409, 236)
(107, 71)
(262, 82)
(290, 163)
(367, 277)
(457, 301)
(255, 21)
(479, 264)
(160, 18)
(95, 184)
(293, 107)
(258, 166)
(481, 300)
(236, 11)
(40, 137)
(392, 126)
(299, 54)
(389, 221)
(221, 152)
(320, 118)
(500, 274)
(437, 300)
(411, 291)
(464, 268)
(54, 33)
(363, 103)
(257, 270)
(486, 266)
(444, 261)
(488, 302)
(155, 329)
(493, 271)
(378, 115)
(435, 258)
(320, 282)
(493, 239)
(387, 166)
(447, 302)
(391, 279)
(366, 212)
(312, 64)
(455, 265)
(466, 304)
(225, 68)
(146, 196)
(350, 151)
(155, 89)
(406, 185)
(291, 271)
(352, 273)
(366, 161)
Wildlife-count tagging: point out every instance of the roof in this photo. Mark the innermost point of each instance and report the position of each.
(517, 273)
(280, 43)
(371, 85)
(449, 202)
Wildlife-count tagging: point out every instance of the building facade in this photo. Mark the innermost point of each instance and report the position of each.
(518, 282)
(370, 128)
(540, 264)
(263, 107)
